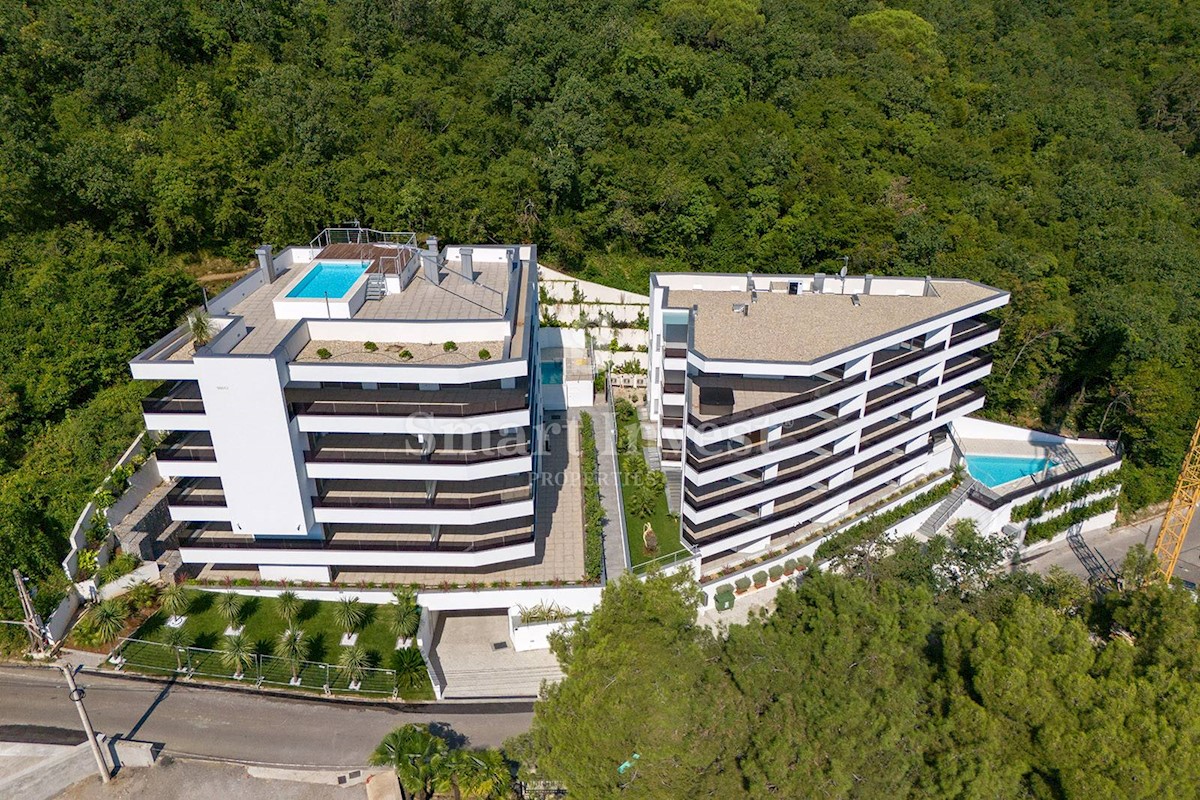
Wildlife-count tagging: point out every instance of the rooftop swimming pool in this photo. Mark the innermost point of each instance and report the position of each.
(996, 471)
(332, 279)
(552, 372)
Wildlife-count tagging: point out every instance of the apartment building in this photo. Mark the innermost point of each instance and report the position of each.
(781, 401)
(362, 404)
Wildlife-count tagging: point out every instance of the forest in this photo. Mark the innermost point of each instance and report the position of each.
(903, 679)
(1044, 146)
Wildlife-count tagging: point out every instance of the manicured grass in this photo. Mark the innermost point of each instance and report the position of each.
(262, 625)
(632, 464)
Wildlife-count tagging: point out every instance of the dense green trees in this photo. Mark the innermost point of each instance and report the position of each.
(1049, 149)
(881, 687)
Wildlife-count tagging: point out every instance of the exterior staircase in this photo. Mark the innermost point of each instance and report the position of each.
(674, 490)
(376, 287)
(946, 510)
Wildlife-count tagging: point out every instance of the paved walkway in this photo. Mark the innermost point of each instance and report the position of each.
(616, 546)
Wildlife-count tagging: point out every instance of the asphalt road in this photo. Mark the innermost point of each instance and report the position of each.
(237, 725)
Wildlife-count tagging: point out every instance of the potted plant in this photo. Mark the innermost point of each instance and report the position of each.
(776, 572)
(803, 563)
(789, 566)
(760, 579)
(742, 584)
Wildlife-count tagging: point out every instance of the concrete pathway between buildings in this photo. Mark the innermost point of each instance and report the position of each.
(616, 546)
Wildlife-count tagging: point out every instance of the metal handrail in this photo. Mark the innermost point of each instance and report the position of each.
(360, 235)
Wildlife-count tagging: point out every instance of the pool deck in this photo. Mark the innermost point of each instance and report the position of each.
(1068, 456)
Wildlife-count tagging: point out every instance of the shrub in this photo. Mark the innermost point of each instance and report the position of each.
(804, 562)
(1040, 531)
(87, 565)
(484, 354)
(841, 543)
(107, 619)
(97, 532)
(722, 590)
(176, 600)
(323, 353)
(449, 347)
(789, 566)
(776, 572)
(121, 564)
(760, 579)
(142, 594)
(742, 584)
(593, 510)
(406, 355)
(370, 347)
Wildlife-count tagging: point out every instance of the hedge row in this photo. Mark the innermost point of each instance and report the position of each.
(593, 511)
(1040, 505)
(841, 543)
(1052, 527)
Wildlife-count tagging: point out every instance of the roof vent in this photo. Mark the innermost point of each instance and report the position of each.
(854, 300)
(741, 308)
(753, 296)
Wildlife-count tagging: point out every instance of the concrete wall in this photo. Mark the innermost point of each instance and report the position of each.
(146, 572)
(559, 284)
(532, 635)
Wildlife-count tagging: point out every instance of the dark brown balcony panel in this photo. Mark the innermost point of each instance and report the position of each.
(383, 545)
(790, 392)
(713, 530)
(956, 400)
(399, 448)
(380, 494)
(186, 446)
(731, 489)
(673, 388)
(704, 457)
(179, 397)
(964, 364)
(445, 402)
(675, 352)
(197, 492)
(969, 329)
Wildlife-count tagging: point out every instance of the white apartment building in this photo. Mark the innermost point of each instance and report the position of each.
(362, 404)
(781, 400)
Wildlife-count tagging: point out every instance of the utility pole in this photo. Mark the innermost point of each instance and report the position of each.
(33, 622)
(77, 697)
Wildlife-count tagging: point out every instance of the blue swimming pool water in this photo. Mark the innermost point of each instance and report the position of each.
(332, 279)
(997, 470)
(552, 372)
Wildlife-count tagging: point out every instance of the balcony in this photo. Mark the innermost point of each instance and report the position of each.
(399, 448)
(197, 492)
(805, 428)
(180, 397)
(446, 402)
(970, 329)
(183, 446)
(957, 400)
(783, 394)
(368, 494)
(791, 470)
(798, 503)
(964, 364)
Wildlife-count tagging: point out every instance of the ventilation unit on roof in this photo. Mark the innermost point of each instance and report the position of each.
(741, 308)
(854, 300)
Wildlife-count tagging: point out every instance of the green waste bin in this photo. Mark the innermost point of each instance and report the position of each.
(724, 601)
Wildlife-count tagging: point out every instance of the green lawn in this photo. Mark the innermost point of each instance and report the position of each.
(632, 463)
(262, 626)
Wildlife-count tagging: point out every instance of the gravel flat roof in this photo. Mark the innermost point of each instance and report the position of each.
(808, 326)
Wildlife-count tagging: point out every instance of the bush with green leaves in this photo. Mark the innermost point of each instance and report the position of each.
(370, 347)
(323, 353)
(103, 622)
(485, 354)
(349, 614)
(118, 566)
(353, 663)
(742, 584)
(775, 572)
(593, 509)
(229, 607)
(789, 566)
(143, 594)
(287, 605)
(760, 579)
(176, 599)
(237, 653)
(449, 347)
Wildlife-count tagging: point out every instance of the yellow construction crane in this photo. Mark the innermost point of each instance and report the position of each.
(1180, 510)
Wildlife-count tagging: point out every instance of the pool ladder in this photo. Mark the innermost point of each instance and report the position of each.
(376, 287)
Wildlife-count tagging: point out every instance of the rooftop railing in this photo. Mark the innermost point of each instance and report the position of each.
(358, 235)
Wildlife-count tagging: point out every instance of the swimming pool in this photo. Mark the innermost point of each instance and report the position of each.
(552, 372)
(332, 279)
(996, 471)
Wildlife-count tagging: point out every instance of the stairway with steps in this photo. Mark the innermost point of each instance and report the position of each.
(376, 287)
(674, 490)
(946, 510)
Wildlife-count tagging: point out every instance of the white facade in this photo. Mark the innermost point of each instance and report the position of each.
(780, 400)
(391, 429)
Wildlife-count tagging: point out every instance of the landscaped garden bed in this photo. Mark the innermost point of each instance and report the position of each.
(207, 638)
(643, 494)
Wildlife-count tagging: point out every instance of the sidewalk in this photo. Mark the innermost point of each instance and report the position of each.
(616, 546)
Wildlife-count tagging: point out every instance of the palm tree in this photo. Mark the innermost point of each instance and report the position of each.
(177, 639)
(229, 606)
(409, 666)
(405, 615)
(421, 760)
(107, 618)
(237, 654)
(292, 648)
(176, 600)
(348, 614)
(287, 605)
(200, 326)
(477, 773)
(353, 663)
